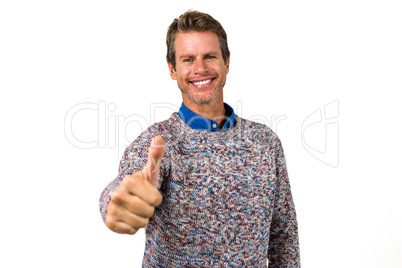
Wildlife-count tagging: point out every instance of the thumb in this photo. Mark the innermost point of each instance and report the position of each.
(155, 154)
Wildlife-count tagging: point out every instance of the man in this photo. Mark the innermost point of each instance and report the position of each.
(211, 188)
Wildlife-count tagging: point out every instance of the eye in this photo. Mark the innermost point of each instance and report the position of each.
(209, 57)
(187, 60)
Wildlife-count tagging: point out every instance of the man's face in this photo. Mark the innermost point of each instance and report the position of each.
(200, 68)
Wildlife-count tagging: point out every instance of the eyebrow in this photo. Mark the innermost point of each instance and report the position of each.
(187, 55)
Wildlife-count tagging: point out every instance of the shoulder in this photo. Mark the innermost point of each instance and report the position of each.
(167, 129)
(263, 138)
(257, 133)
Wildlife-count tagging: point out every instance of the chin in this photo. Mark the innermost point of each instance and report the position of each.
(202, 99)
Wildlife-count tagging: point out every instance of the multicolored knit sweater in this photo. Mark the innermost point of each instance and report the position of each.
(226, 197)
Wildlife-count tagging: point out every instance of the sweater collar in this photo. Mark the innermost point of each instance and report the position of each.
(198, 122)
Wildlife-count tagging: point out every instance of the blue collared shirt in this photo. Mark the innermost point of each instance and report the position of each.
(198, 122)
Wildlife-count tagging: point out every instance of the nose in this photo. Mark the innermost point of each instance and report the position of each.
(200, 66)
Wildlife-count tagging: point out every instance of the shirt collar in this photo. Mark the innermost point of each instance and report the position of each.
(198, 122)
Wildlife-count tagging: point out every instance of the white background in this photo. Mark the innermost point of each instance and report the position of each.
(289, 59)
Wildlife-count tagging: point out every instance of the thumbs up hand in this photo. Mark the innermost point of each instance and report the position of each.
(134, 201)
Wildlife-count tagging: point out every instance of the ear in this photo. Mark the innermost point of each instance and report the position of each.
(227, 65)
(172, 71)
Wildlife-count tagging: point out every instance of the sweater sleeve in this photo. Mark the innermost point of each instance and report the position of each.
(283, 250)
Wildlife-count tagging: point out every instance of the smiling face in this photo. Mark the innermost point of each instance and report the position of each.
(200, 70)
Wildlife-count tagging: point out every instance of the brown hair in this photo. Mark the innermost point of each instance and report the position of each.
(193, 20)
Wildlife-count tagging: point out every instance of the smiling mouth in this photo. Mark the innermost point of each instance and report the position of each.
(202, 83)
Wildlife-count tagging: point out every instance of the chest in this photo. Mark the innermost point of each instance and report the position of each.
(213, 180)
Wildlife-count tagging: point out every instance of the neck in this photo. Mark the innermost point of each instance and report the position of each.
(214, 110)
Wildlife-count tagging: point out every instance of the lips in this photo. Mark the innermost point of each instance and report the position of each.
(202, 83)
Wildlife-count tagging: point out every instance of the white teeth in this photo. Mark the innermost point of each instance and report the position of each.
(199, 83)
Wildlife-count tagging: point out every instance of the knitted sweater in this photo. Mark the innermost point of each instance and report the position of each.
(226, 197)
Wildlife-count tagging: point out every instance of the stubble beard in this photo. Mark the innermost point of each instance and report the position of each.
(205, 100)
